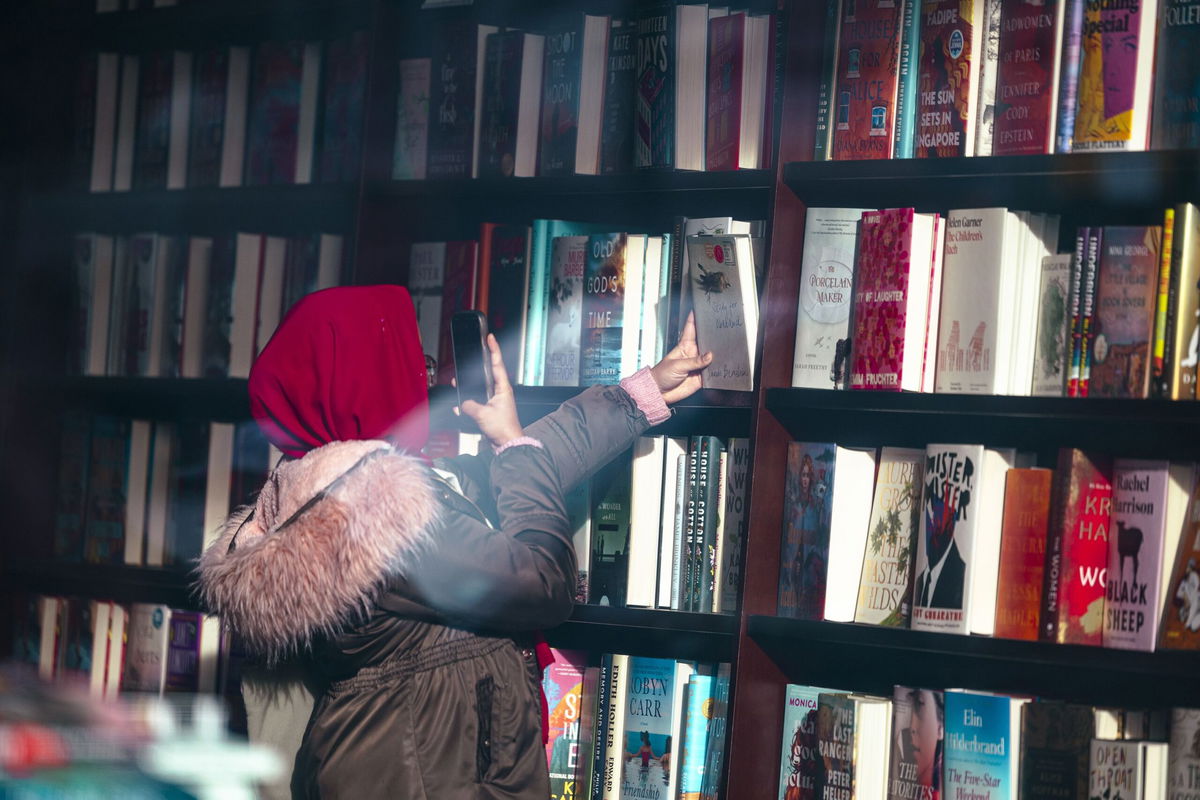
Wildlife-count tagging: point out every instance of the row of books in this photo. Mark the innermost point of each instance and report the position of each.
(112, 648)
(155, 305)
(574, 304)
(675, 85)
(974, 540)
(280, 112)
(899, 300)
(634, 726)
(931, 743)
(153, 494)
(930, 79)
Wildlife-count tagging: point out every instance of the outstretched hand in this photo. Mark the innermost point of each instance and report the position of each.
(678, 374)
(497, 419)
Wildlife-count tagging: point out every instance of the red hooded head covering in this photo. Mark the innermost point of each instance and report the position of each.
(345, 363)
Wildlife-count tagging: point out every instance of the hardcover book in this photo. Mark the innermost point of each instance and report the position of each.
(107, 488)
(564, 321)
(914, 771)
(1087, 309)
(616, 126)
(723, 106)
(646, 747)
(868, 68)
(572, 91)
(1122, 334)
(512, 85)
(1077, 549)
(725, 301)
(736, 518)
(1022, 553)
(670, 85)
(152, 139)
(412, 120)
(1055, 743)
(948, 89)
(983, 734)
(273, 125)
(562, 684)
(146, 649)
(508, 290)
(217, 135)
(1127, 770)
(1183, 754)
(1181, 612)
(1115, 77)
(458, 294)
(1052, 354)
(1177, 78)
(1027, 80)
(699, 703)
(885, 588)
(826, 287)
(799, 761)
(853, 735)
(182, 673)
(455, 100)
(604, 286)
(611, 488)
(342, 98)
(1181, 326)
(1068, 74)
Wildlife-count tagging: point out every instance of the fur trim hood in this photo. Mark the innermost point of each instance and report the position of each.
(316, 549)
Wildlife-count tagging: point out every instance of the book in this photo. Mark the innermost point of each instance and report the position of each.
(182, 668)
(611, 774)
(1180, 628)
(1056, 742)
(853, 734)
(904, 144)
(891, 295)
(983, 740)
(823, 138)
(702, 525)
(885, 587)
(343, 96)
(312, 262)
(867, 69)
(952, 44)
(148, 631)
(1182, 324)
(737, 77)
(156, 108)
(455, 100)
(725, 301)
(426, 278)
(564, 323)
(217, 134)
(1052, 353)
(918, 723)
(616, 123)
(158, 493)
(107, 490)
(645, 520)
(562, 684)
(611, 306)
(989, 64)
(412, 120)
(699, 710)
(1148, 505)
(1127, 770)
(646, 735)
(1115, 77)
(1022, 553)
(1183, 756)
(282, 112)
(1077, 549)
(672, 50)
(1122, 335)
(735, 519)
(826, 288)
(1175, 118)
(573, 97)
(127, 124)
(611, 488)
(96, 99)
(70, 510)
(512, 85)
(717, 734)
(1068, 74)
(1087, 309)
(1027, 79)
(94, 263)
(508, 290)
(460, 281)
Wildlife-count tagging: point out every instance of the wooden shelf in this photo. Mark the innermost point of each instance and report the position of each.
(1151, 427)
(872, 659)
(283, 209)
(220, 399)
(647, 632)
(120, 583)
(1103, 184)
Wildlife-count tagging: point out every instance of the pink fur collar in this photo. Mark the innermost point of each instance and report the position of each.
(287, 580)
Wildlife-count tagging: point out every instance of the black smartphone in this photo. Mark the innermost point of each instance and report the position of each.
(472, 360)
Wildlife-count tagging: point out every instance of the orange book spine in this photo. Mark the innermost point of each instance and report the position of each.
(1022, 553)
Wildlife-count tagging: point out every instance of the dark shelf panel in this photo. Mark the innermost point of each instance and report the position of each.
(104, 581)
(260, 209)
(661, 182)
(1151, 427)
(222, 399)
(646, 632)
(873, 659)
(1100, 183)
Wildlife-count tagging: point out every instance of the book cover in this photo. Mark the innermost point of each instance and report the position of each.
(1117, 770)
(826, 288)
(343, 95)
(702, 532)
(71, 495)
(807, 516)
(1068, 74)
(461, 278)
(107, 487)
(500, 105)
(182, 672)
(1181, 612)
(1055, 744)
(699, 699)
(736, 519)
(948, 82)
(836, 751)
(1077, 549)
(412, 120)
(723, 118)
(645, 738)
(1115, 74)
(989, 67)
(655, 85)
(1052, 355)
(153, 131)
(868, 69)
(452, 101)
(616, 132)
(87, 101)
(1027, 78)
(918, 725)
(273, 123)
(1022, 553)
(611, 488)
(885, 588)
(603, 309)
(508, 291)
(891, 293)
(1183, 754)
(983, 733)
(1122, 334)
(170, 307)
(218, 316)
(147, 634)
(945, 544)
(1176, 117)
(77, 642)
(426, 277)
(564, 320)
(1087, 309)
(562, 683)
(206, 137)
(561, 77)
(725, 301)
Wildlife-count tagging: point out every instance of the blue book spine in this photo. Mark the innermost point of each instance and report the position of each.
(980, 760)
(1068, 81)
(906, 95)
(696, 730)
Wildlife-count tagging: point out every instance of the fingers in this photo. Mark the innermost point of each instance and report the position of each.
(499, 373)
(693, 364)
(687, 337)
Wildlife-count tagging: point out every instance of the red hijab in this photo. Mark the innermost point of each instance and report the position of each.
(345, 363)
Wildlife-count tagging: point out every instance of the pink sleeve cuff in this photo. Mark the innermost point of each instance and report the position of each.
(517, 442)
(644, 391)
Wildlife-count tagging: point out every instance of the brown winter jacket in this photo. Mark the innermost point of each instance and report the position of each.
(416, 612)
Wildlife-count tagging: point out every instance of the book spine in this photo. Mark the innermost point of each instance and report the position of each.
(707, 513)
(600, 728)
(1183, 313)
(989, 62)
(1087, 303)
(1079, 264)
(691, 520)
(1068, 82)
(1160, 380)
(906, 94)
(821, 142)
(1050, 619)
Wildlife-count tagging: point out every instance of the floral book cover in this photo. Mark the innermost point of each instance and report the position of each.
(880, 300)
(885, 588)
(807, 516)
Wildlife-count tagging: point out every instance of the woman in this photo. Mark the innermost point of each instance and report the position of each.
(413, 589)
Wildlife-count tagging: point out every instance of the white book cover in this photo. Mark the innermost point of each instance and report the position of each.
(181, 105)
(306, 131)
(146, 648)
(50, 617)
(217, 483)
(983, 570)
(237, 96)
(973, 352)
(933, 307)
(412, 120)
(653, 297)
(564, 310)
(725, 300)
(1027, 282)
(426, 274)
(853, 486)
(140, 436)
(1127, 770)
(247, 260)
(645, 520)
(104, 132)
(674, 482)
(1052, 340)
(826, 285)
(635, 276)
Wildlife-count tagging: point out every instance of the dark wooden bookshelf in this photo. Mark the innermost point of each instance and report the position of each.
(647, 632)
(219, 399)
(849, 656)
(122, 584)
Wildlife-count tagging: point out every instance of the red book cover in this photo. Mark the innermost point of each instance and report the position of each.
(274, 118)
(948, 79)
(1022, 553)
(458, 294)
(1077, 549)
(868, 70)
(1026, 89)
(726, 36)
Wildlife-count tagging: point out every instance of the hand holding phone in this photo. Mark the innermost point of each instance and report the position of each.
(472, 361)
